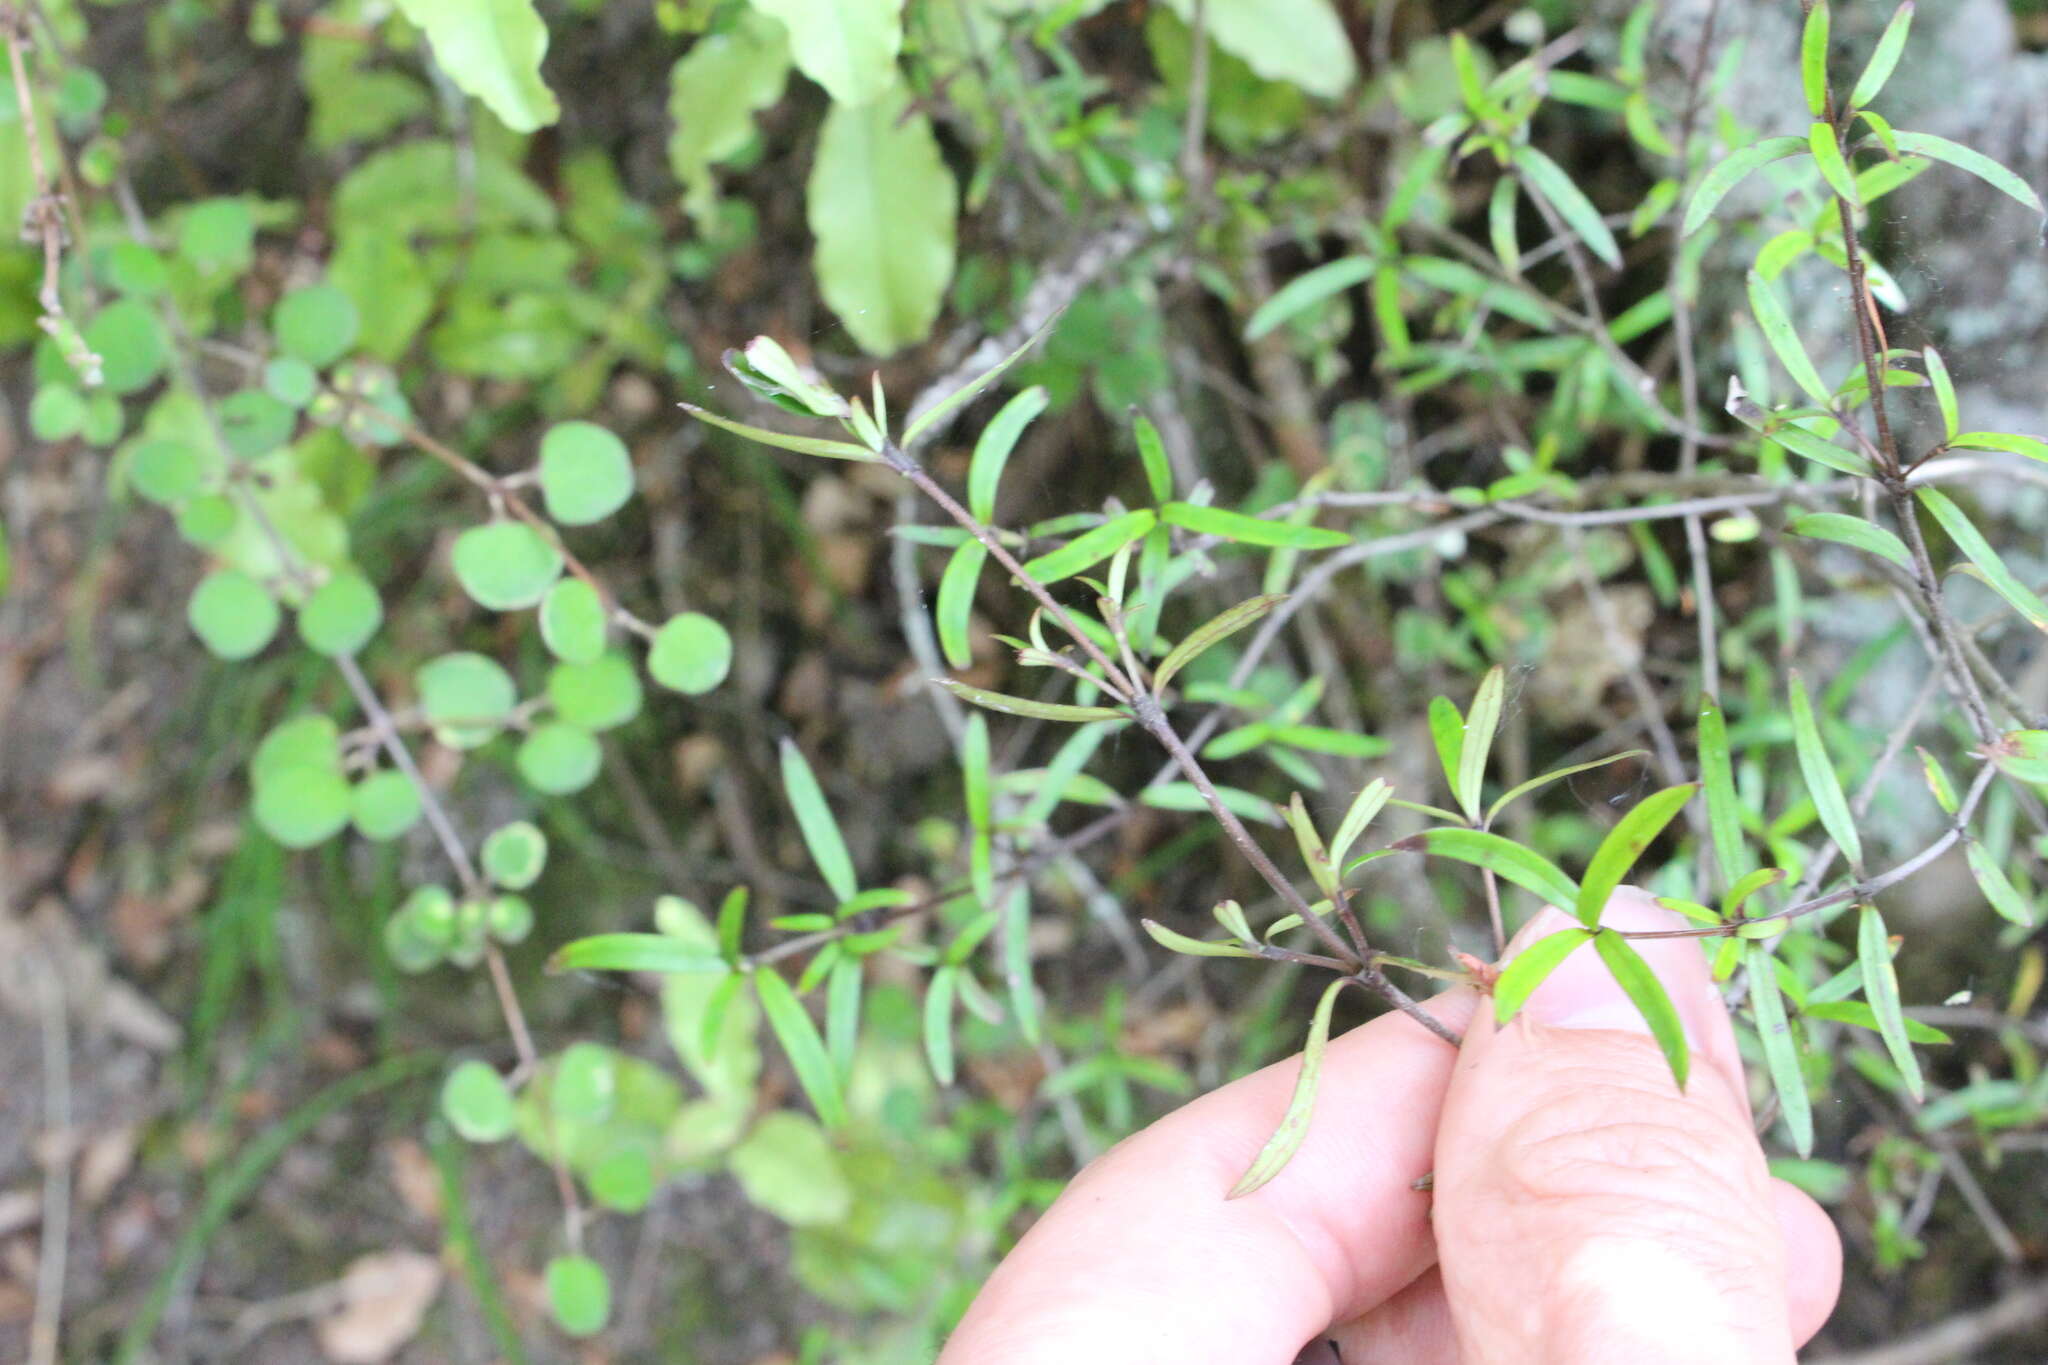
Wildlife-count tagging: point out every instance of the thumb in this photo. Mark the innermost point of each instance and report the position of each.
(1587, 1210)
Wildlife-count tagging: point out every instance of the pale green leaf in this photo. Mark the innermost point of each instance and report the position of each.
(814, 819)
(1973, 161)
(1649, 997)
(847, 46)
(1301, 42)
(1305, 291)
(1503, 857)
(1971, 542)
(1249, 530)
(1481, 722)
(1854, 532)
(1287, 1138)
(1881, 989)
(1026, 706)
(492, 50)
(1781, 1049)
(1547, 178)
(1192, 947)
(1531, 967)
(1822, 783)
(1624, 844)
(793, 1028)
(881, 205)
(1884, 58)
(1784, 338)
(1813, 59)
(1211, 632)
(1715, 184)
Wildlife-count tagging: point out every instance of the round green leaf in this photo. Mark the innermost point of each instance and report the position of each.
(432, 913)
(465, 697)
(316, 324)
(384, 805)
(308, 741)
(558, 758)
(598, 695)
(477, 1103)
(691, 654)
(787, 1166)
(134, 268)
(572, 621)
(130, 344)
(515, 854)
(510, 919)
(585, 1082)
(623, 1178)
(505, 565)
(57, 411)
(218, 235)
(253, 423)
(104, 419)
(578, 1295)
(302, 805)
(207, 519)
(166, 471)
(409, 951)
(341, 615)
(585, 473)
(290, 381)
(232, 614)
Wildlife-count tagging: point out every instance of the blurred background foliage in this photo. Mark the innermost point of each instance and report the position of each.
(320, 240)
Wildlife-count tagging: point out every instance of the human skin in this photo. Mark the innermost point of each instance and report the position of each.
(1584, 1210)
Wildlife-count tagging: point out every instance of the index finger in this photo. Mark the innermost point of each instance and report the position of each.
(1142, 1257)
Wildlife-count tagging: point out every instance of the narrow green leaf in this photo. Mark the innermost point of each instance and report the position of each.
(1447, 729)
(814, 820)
(1971, 542)
(1152, 454)
(1973, 161)
(1834, 168)
(1025, 706)
(938, 1023)
(1800, 441)
(1305, 291)
(952, 401)
(1287, 1138)
(1998, 889)
(1184, 796)
(1192, 947)
(1884, 58)
(1784, 338)
(1854, 532)
(1246, 530)
(1506, 859)
(1781, 1049)
(1554, 775)
(1206, 636)
(842, 1012)
(803, 445)
(1624, 844)
(1650, 998)
(1859, 1015)
(2033, 447)
(1092, 547)
(1937, 781)
(1500, 223)
(1314, 854)
(1717, 774)
(732, 924)
(1715, 184)
(1944, 393)
(1016, 954)
(1881, 989)
(1531, 968)
(1813, 59)
(1741, 891)
(1367, 804)
(953, 611)
(635, 953)
(1547, 178)
(802, 1045)
(993, 447)
(1822, 784)
(1481, 723)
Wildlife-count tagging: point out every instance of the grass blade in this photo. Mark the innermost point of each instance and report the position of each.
(1881, 989)
(814, 819)
(1287, 1138)
(793, 1029)
(1531, 968)
(1624, 844)
(1648, 995)
(1822, 784)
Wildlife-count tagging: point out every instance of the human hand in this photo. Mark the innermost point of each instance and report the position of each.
(1584, 1210)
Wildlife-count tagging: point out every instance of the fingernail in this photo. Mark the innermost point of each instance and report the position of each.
(1582, 994)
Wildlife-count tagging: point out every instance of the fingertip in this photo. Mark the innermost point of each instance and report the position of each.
(1813, 1259)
